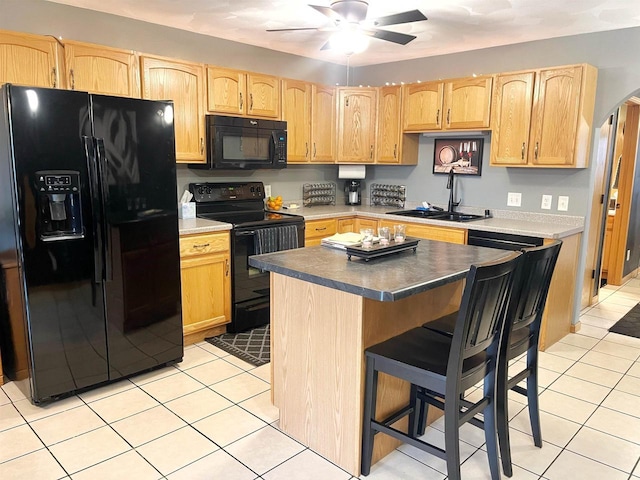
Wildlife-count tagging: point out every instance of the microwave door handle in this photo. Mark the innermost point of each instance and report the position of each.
(272, 147)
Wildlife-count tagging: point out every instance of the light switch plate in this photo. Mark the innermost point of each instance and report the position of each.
(267, 191)
(514, 199)
(546, 202)
(563, 203)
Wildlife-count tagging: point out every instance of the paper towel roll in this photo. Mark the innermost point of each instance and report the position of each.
(351, 171)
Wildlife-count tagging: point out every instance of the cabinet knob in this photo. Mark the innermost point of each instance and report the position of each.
(371, 151)
(241, 101)
(200, 246)
(53, 77)
(395, 151)
(73, 79)
(535, 151)
(438, 117)
(251, 101)
(314, 149)
(226, 267)
(201, 146)
(448, 116)
(522, 151)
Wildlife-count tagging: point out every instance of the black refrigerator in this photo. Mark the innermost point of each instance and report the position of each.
(88, 210)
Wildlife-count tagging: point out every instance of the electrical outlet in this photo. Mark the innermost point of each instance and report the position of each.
(546, 202)
(514, 199)
(563, 203)
(267, 191)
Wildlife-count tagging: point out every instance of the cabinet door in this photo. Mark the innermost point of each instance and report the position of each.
(511, 119)
(468, 103)
(356, 125)
(182, 82)
(102, 70)
(296, 111)
(555, 116)
(366, 223)
(389, 139)
(323, 124)
(206, 292)
(225, 91)
(423, 106)
(30, 60)
(263, 92)
(346, 225)
(430, 232)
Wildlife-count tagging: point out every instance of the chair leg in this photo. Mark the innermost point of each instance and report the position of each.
(490, 429)
(532, 400)
(423, 410)
(371, 388)
(502, 423)
(452, 438)
(414, 416)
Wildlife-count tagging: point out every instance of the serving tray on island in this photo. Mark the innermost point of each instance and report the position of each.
(378, 250)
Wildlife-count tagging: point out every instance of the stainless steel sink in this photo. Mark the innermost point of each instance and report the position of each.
(436, 215)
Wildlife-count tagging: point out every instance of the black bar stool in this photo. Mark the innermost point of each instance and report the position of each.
(443, 367)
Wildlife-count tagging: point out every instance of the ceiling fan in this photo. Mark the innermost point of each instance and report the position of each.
(351, 16)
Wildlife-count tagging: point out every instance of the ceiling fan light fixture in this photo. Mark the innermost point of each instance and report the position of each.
(349, 41)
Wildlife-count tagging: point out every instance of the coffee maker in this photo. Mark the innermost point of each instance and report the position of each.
(59, 209)
(352, 192)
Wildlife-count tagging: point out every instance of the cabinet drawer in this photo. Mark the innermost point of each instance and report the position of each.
(320, 228)
(201, 244)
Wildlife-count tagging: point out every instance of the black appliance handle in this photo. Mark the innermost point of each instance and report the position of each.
(244, 233)
(273, 141)
(90, 156)
(104, 193)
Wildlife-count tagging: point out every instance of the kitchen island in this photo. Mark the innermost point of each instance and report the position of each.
(326, 310)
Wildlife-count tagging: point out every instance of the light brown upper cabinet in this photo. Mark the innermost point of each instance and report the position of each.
(296, 111)
(392, 147)
(234, 92)
(389, 138)
(550, 127)
(356, 124)
(182, 82)
(30, 60)
(103, 70)
(459, 104)
(323, 124)
(310, 112)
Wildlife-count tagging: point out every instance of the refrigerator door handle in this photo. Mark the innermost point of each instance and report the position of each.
(104, 192)
(89, 152)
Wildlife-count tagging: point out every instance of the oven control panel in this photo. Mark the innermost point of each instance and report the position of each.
(220, 192)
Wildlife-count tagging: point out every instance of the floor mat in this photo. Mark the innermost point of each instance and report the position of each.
(629, 324)
(251, 346)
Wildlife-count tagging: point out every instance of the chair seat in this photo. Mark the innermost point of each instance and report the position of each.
(446, 324)
(426, 350)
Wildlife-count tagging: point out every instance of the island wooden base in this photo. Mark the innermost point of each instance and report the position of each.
(318, 338)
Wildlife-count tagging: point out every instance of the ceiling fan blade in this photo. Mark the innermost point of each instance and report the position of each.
(291, 29)
(327, 12)
(395, 37)
(398, 18)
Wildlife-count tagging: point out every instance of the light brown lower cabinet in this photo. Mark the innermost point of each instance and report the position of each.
(431, 232)
(316, 230)
(354, 224)
(206, 284)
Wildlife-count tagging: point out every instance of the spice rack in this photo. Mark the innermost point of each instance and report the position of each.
(318, 194)
(388, 195)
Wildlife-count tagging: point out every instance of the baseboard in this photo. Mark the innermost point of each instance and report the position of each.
(575, 327)
(197, 337)
(631, 275)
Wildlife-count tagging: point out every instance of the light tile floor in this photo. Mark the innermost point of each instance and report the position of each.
(210, 417)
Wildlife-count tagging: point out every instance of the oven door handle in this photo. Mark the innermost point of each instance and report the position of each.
(245, 233)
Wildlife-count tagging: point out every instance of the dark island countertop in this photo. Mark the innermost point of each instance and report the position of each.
(388, 278)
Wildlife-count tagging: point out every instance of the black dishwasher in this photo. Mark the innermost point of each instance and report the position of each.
(503, 241)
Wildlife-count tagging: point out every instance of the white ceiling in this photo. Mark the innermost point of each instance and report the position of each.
(453, 25)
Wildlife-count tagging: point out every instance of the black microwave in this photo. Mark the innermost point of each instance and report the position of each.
(245, 143)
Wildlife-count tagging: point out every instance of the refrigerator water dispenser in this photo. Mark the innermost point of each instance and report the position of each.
(59, 208)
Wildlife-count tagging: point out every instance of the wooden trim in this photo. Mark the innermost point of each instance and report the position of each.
(575, 327)
(197, 337)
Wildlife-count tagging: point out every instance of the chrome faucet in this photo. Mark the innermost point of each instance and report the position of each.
(451, 187)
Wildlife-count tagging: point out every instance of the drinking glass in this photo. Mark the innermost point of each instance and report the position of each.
(367, 237)
(385, 235)
(399, 233)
